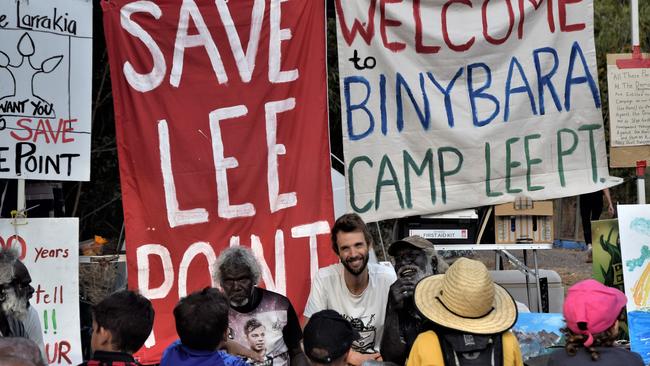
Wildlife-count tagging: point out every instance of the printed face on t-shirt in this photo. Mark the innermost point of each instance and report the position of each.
(256, 339)
(353, 251)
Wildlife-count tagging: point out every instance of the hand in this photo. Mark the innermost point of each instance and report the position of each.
(404, 287)
(355, 358)
(611, 210)
(235, 348)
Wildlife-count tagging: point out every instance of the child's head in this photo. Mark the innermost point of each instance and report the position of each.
(121, 322)
(591, 312)
(202, 319)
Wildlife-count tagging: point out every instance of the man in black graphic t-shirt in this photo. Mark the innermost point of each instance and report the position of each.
(253, 309)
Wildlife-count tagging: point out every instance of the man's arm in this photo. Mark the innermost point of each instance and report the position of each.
(608, 198)
(392, 347)
(297, 357)
(292, 336)
(356, 359)
(237, 349)
(317, 300)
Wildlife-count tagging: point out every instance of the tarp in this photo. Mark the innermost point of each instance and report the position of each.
(221, 112)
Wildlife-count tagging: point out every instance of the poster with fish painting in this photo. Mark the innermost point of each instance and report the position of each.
(634, 226)
(538, 334)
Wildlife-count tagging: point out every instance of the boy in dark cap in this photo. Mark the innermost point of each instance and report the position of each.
(328, 338)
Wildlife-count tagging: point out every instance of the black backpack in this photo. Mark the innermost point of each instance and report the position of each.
(462, 349)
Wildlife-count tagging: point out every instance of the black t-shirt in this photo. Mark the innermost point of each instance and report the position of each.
(267, 325)
(102, 358)
(614, 356)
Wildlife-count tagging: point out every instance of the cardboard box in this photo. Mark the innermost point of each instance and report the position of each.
(527, 223)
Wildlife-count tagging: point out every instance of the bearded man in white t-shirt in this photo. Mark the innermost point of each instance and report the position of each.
(355, 289)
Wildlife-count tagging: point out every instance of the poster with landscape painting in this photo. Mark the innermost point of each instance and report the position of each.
(538, 333)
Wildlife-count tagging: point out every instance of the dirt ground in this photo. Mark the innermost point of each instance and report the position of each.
(568, 263)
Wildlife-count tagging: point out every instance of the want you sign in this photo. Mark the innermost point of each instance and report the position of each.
(45, 89)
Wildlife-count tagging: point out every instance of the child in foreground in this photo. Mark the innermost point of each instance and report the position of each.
(202, 325)
(591, 312)
(121, 324)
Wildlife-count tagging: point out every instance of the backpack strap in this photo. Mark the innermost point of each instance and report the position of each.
(460, 349)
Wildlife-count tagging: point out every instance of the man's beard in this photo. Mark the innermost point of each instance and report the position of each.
(14, 306)
(239, 304)
(414, 272)
(353, 271)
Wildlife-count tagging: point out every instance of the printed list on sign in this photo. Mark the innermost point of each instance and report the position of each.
(629, 106)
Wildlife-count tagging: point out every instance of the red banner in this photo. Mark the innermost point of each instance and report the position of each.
(221, 115)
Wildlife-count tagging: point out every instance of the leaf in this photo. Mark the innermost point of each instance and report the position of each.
(4, 59)
(51, 63)
(26, 45)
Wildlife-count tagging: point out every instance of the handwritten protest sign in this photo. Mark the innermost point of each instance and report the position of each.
(45, 89)
(50, 250)
(634, 226)
(629, 104)
(221, 116)
(455, 104)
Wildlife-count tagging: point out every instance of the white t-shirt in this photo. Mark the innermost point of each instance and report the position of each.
(366, 311)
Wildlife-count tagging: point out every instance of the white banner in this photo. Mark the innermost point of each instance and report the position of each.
(50, 250)
(45, 89)
(455, 104)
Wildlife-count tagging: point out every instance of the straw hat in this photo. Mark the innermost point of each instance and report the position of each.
(466, 299)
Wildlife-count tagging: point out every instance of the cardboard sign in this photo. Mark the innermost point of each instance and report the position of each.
(45, 89)
(629, 104)
(221, 112)
(48, 247)
(448, 104)
(634, 231)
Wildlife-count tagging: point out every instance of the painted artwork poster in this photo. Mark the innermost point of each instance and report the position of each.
(634, 227)
(51, 246)
(221, 122)
(607, 266)
(538, 334)
(449, 105)
(45, 89)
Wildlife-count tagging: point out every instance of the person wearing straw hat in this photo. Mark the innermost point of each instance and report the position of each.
(471, 316)
(414, 258)
(591, 312)
(356, 289)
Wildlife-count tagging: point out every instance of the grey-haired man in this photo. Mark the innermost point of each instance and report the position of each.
(238, 273)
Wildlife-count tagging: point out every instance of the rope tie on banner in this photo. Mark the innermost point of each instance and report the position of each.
(18, 218)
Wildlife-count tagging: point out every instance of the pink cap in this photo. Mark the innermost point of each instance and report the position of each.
(594, 304)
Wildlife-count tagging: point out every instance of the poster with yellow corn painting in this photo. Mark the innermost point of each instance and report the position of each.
(634, 227)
